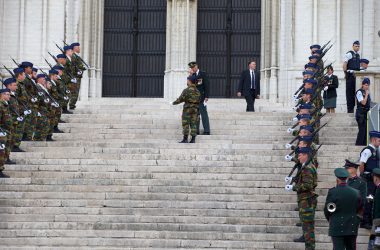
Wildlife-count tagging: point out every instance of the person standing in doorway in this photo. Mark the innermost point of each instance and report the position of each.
(249, 86)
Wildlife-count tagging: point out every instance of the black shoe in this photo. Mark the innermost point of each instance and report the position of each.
(185, 139)
(57, 130)
(2, 175)
(300, 239)
(206, 133)
(73, 107)
(366, 226)
(10, 162)
(296, 209)
(66, 112)
(350, 111)
(61, 121)
(298, 224)
(27, 139)
(24, 136)
(192, 139)
(49, 138)
(17, 149)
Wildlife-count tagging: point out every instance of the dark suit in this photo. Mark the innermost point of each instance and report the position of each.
(249, 87)
(344, 222)
(203, 86)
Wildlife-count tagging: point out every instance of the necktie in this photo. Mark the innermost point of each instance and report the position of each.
(252, 80)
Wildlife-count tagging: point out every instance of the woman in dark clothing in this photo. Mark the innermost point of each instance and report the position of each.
(329, 95)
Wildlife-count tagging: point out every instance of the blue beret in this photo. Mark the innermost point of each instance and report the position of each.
(308, 72)
(315, 46)
(304, 116)
(306, 138)
(309, 91)
(74, 44)
(366, 81)
(364, 61)
(356, 42)
(310, 80)
(67, 47)
(40, 76)
(26, 64)
(304, 150)
(308, 128)
(9, 81)
(311, 65)
(57, 67)
(193, 78)
(18, 70)
(306, 106)
(35, 69)
(4, 91)
(61, 56)
(318, 51)
(341, 173)
(53, 71)
(313, 57)
(374, 134)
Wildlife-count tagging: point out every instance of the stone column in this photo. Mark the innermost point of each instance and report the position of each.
(181, 34)
(273, 81)
(368, 29)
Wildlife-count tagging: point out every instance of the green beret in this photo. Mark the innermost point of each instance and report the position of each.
(376, 171)
(341, 173)
(192, 64)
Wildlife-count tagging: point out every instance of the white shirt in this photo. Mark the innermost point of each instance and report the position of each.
(359, 96)
(366, 154)
(252, 74)
(69, 58)
(348, 56)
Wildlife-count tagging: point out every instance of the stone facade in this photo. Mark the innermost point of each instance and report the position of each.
(29, 28)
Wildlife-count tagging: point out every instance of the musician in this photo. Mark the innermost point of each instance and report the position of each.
(343, 204)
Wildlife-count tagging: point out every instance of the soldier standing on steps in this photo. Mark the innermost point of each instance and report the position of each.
(306, 197)
(343, 204)
(355, 181)
(190, 96)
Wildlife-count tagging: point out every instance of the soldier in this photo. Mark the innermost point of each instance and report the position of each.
(204, 89)
(70, 69)
(314, 47)
(6, 122)
(79, 69)
(65, 81)
(369, 160)
(351, 64)
(17, 113)
(355, 181)
(42, 126)
(58, 96)
(307, 74)
(306, 196)
(190, 96)
(363, 106)
(343, 204)
(61, 85)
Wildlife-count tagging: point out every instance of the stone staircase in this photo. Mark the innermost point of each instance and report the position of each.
(118, 179)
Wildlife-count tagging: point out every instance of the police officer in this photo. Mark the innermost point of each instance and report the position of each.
(363, 106)
(190, 96)
(342, 206)
(369, 160)
(203, 86)
(351, 64)
(355, 181)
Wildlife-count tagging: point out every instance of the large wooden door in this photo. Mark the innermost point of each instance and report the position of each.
(229, 35)
(134, 48)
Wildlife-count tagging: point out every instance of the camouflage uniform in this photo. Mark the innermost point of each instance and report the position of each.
(307, 202)
(42, 124)
(79, 68)
(24, 101)
(18, 126)
(7, 124)
(190, 96)
(70, 69)
(31, 122)
(57, 112)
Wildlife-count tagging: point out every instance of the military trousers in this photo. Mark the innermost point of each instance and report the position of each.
(307, 208)
(361, 119)
(344, 242)
(204, 116)
(350, 92)
(371, 189)
(75, 93)
(189, 121)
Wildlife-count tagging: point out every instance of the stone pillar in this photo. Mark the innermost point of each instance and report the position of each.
(181, 34)
(273, 81)
(368, 29)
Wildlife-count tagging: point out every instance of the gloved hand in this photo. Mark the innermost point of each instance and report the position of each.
(74, 80)
(288, 146)
(290, 130)
(29, 111)
(289, 187)
(350, 71)
(39, 114)
(26, 112)
(326, 88)
(2, 146)
(295, 119)
(288, 180)
(288, 158)
(79, 73)
(2, 134)
(34, 99)
(20, 118)
(171, 103)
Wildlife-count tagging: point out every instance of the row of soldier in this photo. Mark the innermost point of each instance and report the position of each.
(32, 102)
(356, 198)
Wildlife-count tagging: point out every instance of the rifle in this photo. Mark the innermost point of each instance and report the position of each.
(9, 71)
(288, 145)
(27, 110)
(311, 124)
(77, 56)
(54, 102)
(64, 87)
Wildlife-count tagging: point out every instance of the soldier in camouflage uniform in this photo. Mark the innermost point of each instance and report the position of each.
(6, 122)
(66, 78)
(61, 85)
(42, 129)
(191, 97)
(18, 113)
(71, 69)
(305, 184)
(55, 92)
(79, 69)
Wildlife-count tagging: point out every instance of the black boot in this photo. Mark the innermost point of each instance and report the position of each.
(193, 139)
(298, 224)
(73, 107)
(57, 130)
(17, 149)
(61, 121)
(10, 162)
(2, 175)
(185, 139)
(65, 111)
(300, 239)
(49, 138)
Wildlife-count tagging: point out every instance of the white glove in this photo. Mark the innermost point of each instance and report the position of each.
(289, 187)
(205, 103)
(171, 103)
(20, 119)
(66, 98)
(288, 180)
(326, 88)
(370, 197)
(288, 158)
(26, 112)
(290, 130)
(2, 146)
(59, 77)
(295, 119)
(2, 134)
(40, 93)
(29, 111)
(295, 97)
(79, 73)
(288, 145)
(34, 100)
(74, 80)
(39, 114)
(46, 100)
(350, 71)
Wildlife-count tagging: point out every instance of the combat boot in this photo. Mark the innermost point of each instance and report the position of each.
(57, 130)
(49, 138)
(185, 139)
(10, 162)
(193, 139)
(2, 175)
(17, 149)
(300, 239)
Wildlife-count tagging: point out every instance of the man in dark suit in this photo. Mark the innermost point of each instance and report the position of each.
(249, 85)
(204, 88)
(343, 204)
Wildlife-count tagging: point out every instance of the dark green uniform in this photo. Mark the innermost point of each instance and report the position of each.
(376, 204)
(70, 70)
(307, 202)
(79, 69)
(18, 126)
(190, 96)
(360, 185)
(344, 222)
(7, 124)
(31, 121)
